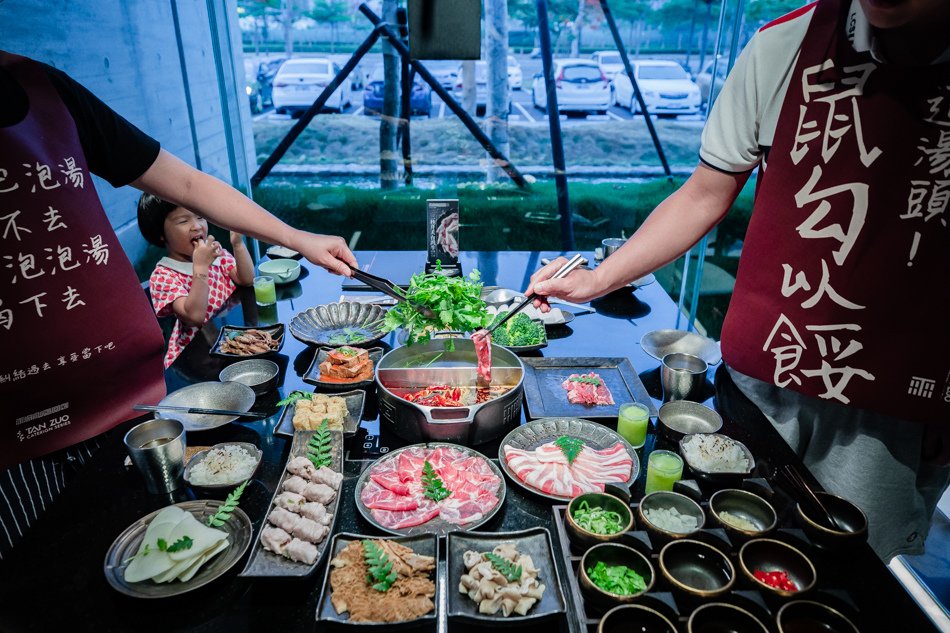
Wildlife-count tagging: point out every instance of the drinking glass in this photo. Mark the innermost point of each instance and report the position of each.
(633, 422)
(664, 468)
(157, 448)
(265, 291)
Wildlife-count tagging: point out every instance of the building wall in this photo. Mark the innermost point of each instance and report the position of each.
(172, 67)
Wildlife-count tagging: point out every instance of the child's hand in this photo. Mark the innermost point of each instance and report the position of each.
(205, 252)
(237, 240)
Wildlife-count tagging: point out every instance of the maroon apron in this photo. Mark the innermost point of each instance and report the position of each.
(80, 343)
(841, 292)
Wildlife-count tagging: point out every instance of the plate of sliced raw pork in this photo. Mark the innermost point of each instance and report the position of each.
(561, 458)
(433, 488)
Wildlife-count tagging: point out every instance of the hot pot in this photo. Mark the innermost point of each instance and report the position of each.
(447, 362)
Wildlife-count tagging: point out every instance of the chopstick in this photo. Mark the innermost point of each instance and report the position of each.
(796, 480)
(565, 270)
(243, 414)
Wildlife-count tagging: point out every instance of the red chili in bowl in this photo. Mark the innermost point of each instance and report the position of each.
(777, 579)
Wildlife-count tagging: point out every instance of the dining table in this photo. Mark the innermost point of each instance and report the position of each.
(54, 579)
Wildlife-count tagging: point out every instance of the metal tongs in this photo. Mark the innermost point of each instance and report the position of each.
(389, 288)
(564, 271)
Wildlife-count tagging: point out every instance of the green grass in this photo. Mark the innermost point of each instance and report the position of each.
(334, 139)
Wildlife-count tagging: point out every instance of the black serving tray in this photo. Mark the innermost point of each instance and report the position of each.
(545, 398)
(745, 593)
(276, 331)
(312, 375)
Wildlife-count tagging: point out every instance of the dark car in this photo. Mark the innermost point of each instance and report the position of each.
(259, 79)
(420, 101)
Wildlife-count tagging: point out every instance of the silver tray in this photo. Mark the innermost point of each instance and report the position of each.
(545, 398)
(535, 542)
(232, 396)
(317, 326)
(239, 530)
(312, 375)
(436, 526)
(533, 434)
(264, 564)
(659, 343)
(201, 455)
(354, 406)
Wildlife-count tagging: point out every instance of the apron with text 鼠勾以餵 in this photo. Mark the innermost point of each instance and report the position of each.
(80, 343)
(841, 291)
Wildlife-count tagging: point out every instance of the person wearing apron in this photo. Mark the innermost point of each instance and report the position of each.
(836, 328)
(80, 342)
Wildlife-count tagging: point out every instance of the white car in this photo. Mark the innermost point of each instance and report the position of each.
(580, 84)
(514, 73)
(481, 87)
(301, 80)
(609, 62)
(666, 87)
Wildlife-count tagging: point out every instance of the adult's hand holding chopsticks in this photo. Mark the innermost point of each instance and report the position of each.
(580, 286)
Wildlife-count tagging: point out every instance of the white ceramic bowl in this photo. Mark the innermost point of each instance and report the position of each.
(284, 271)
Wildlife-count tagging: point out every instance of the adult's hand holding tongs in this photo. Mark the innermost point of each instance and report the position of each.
(389, 288)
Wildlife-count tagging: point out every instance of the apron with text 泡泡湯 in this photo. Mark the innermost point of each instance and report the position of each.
(80, 343)
(841, 291)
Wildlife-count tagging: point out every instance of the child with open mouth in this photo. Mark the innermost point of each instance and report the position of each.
(197, 276)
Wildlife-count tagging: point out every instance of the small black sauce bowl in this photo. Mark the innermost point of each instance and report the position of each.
(719, 617)
(634, 617)
(845, 513)
(613, 554)
(799, 616)
(744, 504)
(770, 555)
(667, 499)
(696, 569)
(584, 538)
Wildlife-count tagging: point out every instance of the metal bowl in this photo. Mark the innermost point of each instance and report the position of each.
(845, 513)
(323, 325)
(258, 374)
(770, 555)
(746, 505)
(716, 617)
(696, 569)
(613, 554)
(284, 271)
(200, 456)
(684, 417)
(666, 499)
(802, 615)
(718, 478)
(208, 395)
(659, 343)
(582, 537)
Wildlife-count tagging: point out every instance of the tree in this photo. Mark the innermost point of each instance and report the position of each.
(332, 12)
(496, 107)
(388, 157)
(259, 10)
(288, 14)
(561, 13)
(759, 12)
(588, 11)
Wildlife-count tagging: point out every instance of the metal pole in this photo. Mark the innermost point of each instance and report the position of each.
(697, 282)
(636, 88)
(554, 124)
(715, 65)
(736, 25)
(500, 159)
(313, 110)
(407, 78)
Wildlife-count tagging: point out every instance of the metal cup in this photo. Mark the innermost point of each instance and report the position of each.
(157, 448)
(682, 376)
(611, 244)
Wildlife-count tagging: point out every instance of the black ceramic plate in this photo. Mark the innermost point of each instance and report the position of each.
(438, 525)
(354, 406)
(533, 434)
(546, 398)
(536, 542)
(265, 564)
(125, 546)
(312, 374)
(425, 544)
(230, 331)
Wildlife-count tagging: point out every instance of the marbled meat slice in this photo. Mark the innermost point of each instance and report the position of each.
(467, 509)
(546, 468)
(588, 389)
(376, 497)
(482, 341)
(425, 512)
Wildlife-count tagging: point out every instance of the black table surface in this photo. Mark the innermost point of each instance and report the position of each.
(54, 579)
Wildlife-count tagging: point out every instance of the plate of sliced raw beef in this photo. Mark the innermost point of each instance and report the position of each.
(431, 488)
(561, 458)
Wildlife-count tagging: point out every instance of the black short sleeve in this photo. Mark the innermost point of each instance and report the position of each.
(115, 149)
